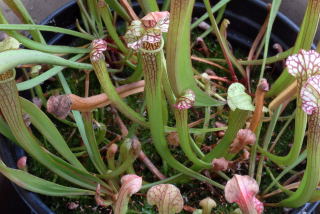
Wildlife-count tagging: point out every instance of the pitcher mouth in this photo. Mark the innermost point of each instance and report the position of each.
(7, 76)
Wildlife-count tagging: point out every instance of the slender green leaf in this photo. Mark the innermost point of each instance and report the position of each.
(178, 53)
(266, 141)
(236, 121)
(44, 76)
(41, 121)
(39, 185)
(148, 6)
(5, 130)
(41, 46)
(114, 4)
(11, 58)
(12, 112)
(273, 14)
(91, 149)
(94, 149)
(301, 158)
(214, 9)
(107, 19)
(46, 28)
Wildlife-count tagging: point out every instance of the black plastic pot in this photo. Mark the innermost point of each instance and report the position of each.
(246, 18)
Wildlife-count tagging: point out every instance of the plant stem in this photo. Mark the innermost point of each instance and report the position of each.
(46, 28)
(93, 152)
(166, 5)
(222, 41)
(283, 129)
(182, 128)
(89, 20)
(300, 127)
(152, 64)
(100, 69)
(105, 14)
(301, 158)
(38, 80)
(143, 158)
(270, 60)
(114, 4)
(34, 73)
(214, 9)
(148, 6)
(253, 152)
(311, 176)
(180, 71)
(19, 9)
(236, 121)
(266, 142)
(11, 58)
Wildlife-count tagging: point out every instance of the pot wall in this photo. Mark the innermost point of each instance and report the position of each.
(295, 9)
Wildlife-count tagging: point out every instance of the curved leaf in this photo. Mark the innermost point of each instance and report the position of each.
(39, 185)
(178, 53)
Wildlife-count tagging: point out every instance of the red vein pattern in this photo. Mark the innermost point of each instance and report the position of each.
(310, 95)
(148, 30)
(186, 101)
(98, 47)
(303, 65)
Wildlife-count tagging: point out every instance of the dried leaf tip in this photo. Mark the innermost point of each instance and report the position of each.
(304, 65)
(147, 30)
(310, 95)
(186, 101)
(60, 106)
(98, 46)
(242, 190)
(166, 197)
(244, 137)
